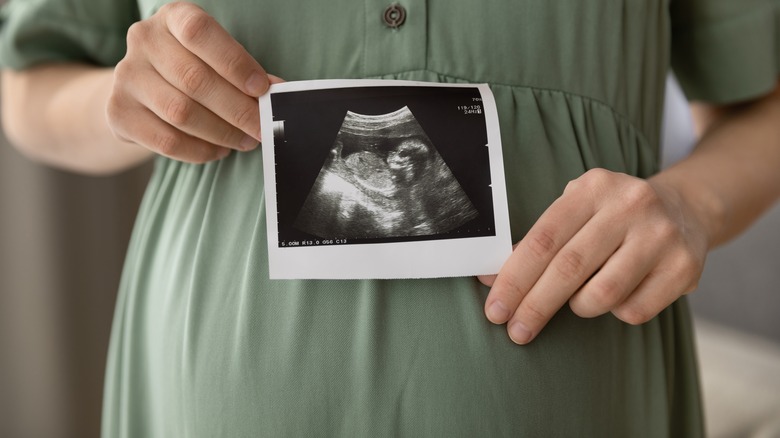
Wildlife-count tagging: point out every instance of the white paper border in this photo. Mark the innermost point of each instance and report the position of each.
(419, 259)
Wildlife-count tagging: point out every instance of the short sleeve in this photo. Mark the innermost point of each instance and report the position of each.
(89, 31)
(725, 51)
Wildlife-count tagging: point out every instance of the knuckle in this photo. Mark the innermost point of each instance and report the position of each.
(690, 268)
(194, 24)
(688, 265)
(122, 72)
(640, 194)
(233, 63)
(513, 291)
(578, 185)
(571, 186)
(632, 314)
(136, 34)
(507, 288)
(243, 116)
(532, 313)
(590, 181)
(178, 111)
(194, 78)
(570, 265)
(697, 262)
(597, 177)
(118, 104)
(114, 110)
(579, 309)
(166, 143)
(228, 137)
(604, 293)
(124, 81)
(665, 231)
(541, 244)
(116, 115)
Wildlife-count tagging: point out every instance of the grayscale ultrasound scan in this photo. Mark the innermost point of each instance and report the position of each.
(381, 164)
(384, 178)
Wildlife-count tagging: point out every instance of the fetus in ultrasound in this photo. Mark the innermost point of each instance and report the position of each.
(384, 178)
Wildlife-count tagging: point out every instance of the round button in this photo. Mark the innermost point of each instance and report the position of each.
(394, 16)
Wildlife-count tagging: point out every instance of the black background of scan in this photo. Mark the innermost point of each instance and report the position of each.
(313, 119)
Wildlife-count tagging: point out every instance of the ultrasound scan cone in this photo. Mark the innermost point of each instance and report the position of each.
(384, 178)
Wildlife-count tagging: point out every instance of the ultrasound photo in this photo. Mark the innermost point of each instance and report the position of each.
(380, 162)
(384, 178)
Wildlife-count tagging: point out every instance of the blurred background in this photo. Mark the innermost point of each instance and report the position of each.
(63, 239)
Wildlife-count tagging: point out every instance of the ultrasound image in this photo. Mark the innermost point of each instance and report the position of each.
(383, 178)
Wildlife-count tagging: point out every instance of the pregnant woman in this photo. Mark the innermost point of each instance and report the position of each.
(205, 345)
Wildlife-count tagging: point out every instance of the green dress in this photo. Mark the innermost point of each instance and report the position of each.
(205, 345)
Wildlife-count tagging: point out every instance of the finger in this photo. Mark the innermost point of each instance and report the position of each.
(194, 78)
(184, 113)
(614, 282)
(678, 276)
(275, 79)
(656, 292)
(571, 267)
(533, 253)
(142, 126)
(487, 280)
(208, 40)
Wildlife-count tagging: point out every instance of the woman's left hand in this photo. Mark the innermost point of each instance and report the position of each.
(610, 243)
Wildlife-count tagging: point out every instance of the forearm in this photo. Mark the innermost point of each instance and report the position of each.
(56, 114)
(733, 175)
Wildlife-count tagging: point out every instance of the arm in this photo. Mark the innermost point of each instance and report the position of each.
(736, 164)
(615, 243)
(56, 114)
(185, 89)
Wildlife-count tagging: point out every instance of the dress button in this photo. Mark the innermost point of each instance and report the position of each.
(394, 16)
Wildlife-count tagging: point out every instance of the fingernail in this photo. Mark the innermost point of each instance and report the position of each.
(248, 143)
(498, 312)
(256, 84)
(519, 333)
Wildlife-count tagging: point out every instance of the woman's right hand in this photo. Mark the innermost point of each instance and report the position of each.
(186, 89)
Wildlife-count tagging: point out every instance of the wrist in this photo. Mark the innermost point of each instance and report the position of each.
(701, 208)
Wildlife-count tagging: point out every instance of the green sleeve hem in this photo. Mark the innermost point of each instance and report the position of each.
(28, 38)
(728, 61)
